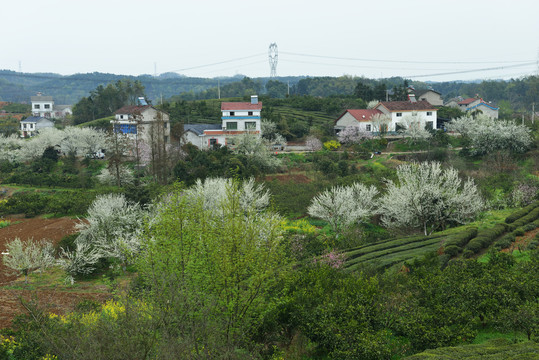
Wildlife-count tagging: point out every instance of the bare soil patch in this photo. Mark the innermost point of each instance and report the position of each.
(521, 242)
(59, 299)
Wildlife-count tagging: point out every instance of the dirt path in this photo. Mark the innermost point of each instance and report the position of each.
(58, 299)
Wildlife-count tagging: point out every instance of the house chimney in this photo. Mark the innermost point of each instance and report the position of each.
(254, 99)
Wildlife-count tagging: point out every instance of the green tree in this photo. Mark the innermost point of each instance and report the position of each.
(212, 268)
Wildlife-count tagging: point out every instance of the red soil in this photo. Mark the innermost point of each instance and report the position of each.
(60, 299)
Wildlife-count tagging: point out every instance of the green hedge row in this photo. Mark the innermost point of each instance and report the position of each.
(388, 243)
(522, 212)
(415, 246)
(455, 243)
(485, 238)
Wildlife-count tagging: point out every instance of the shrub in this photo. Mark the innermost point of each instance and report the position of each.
(503, 243)
(332, 145)
(519, 232)
(451, 250)
(467, 254)
(533, 245)
(520, 213)
(485, 238)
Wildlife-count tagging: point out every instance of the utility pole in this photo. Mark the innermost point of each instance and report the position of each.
(218, 89)
(288, 91)
(533, 113)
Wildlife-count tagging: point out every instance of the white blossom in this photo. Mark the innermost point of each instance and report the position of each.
(429, 197)
(342, 206)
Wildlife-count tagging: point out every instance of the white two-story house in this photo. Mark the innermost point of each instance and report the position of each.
(32, 124)
(400, 112)
(142, 122)
(236, 118)
(43, 106)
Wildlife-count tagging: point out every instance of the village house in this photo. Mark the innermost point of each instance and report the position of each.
(43, 106)
(397, 113)
(236, 118)
(31, 125)
(432, 96)
(142, 122)
(475, 104)
(361, 118)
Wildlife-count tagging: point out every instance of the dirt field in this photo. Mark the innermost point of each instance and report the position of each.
(59, 299)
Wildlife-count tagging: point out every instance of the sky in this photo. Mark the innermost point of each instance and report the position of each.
(424, 40)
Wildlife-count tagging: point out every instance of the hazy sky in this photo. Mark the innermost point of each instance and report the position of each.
(227, 37)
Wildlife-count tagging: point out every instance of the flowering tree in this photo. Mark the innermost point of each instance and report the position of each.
(380, 123)
(342, 206)
(256, 149)
(112, 227)
(29, 256)
(214, 192)
(429, 197)
(313, 143)
(487, 134)
(414, 129)
(353, 135)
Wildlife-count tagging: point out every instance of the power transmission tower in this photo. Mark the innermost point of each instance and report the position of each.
(273, 56)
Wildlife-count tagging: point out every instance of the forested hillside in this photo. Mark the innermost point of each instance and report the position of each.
(511, 95)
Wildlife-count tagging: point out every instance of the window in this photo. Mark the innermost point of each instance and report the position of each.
(250, 125)
(36, 106)
(232, 125)
(232, 113)
(47, 106)
(165, 125)
(368, 127)
(429, 113)
(213, 142)
(429, 125)
(250, 113)
(399, 114)
(125, 128)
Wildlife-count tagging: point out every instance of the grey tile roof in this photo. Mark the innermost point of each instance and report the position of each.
(199, 128)
(32, 119)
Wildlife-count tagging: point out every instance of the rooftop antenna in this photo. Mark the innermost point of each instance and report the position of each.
(273, 56)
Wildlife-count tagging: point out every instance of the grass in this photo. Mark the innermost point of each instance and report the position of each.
(4, 223)
(517, 255)
(490, 334)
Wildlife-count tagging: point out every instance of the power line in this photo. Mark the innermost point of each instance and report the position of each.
(474, 70)
(405, 61)
(217, 63)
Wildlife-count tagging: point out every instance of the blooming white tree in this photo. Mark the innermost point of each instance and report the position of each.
(371, 104)
(414, 129)
(429, 197)
(112, 227)
(342, 206)
(313, 143)
(353, 135)
(214, 193)
(80, 261)
(487, 134)
(82, 141)
(256, 149)
(108, 178)
(29, 256)
(10, 147)
(380, 123)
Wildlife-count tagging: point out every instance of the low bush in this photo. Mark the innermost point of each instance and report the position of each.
(533, 245)
(486, 237)
(520, 213)
(452, 250)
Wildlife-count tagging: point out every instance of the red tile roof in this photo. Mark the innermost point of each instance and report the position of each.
(361, 114)
(467, 101)
(132, 109)
(406, 105)
(225, 106)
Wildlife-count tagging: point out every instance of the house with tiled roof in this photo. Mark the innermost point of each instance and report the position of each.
(142, 122)
(43, 106)
(237, 118)
(423, 111)
(32, 124)
(361, 118)
(432, 96)
(478, 104)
